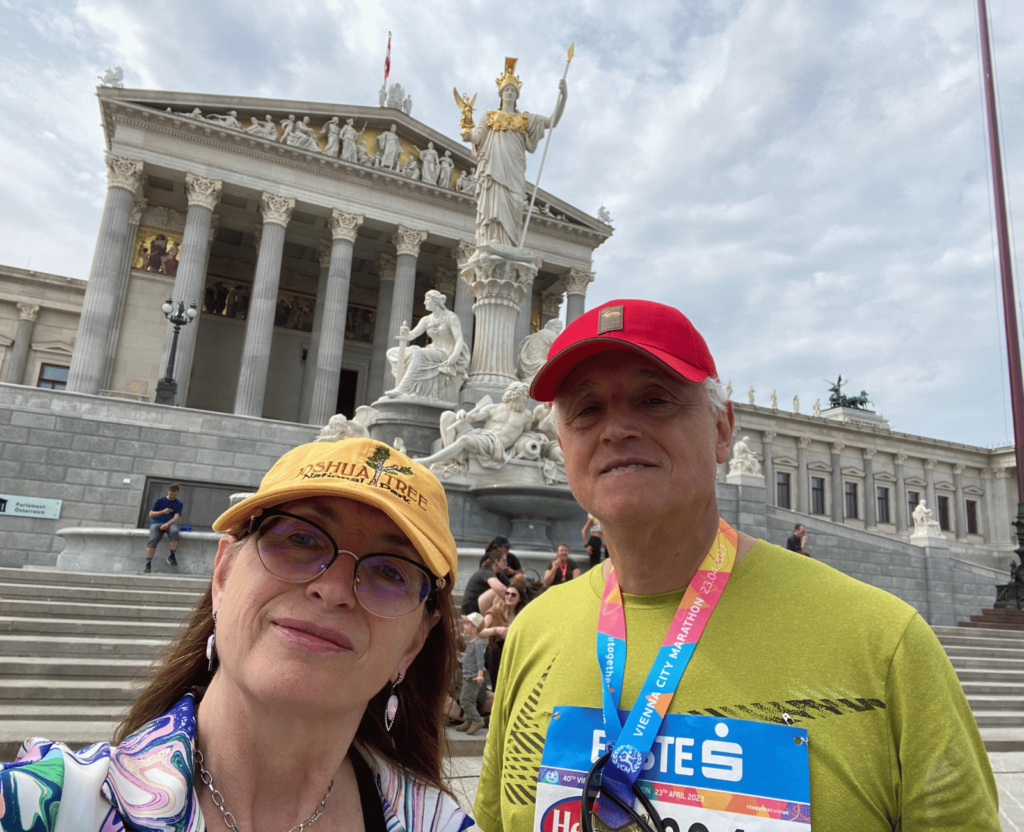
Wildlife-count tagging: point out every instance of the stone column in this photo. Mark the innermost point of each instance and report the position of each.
(499, 285)
(407, 242)
(259, 324)
(901, 495)
(769, 466)
(550, 307)
(124, 176)
(803, 484)
(463, 306)
(445, 281)
(870, 496)
(986, 483)
(838, 496)
(960, 511)
(576, 283)
(379, 370)
(121, 292)
(524, 321)
(929, 477)
(344, 227)
(1001, 516)
(323, 251)
(27, 314)
(203, 195)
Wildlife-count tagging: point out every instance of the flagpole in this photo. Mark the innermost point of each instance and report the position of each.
(1006, 272)
(544, 155)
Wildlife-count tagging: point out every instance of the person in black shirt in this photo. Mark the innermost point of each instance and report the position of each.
(798, 539)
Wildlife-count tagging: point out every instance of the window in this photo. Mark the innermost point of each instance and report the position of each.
(972, 517)
(913, 498)
(883, 505)
(850, 490)
(53, 377)
(944, 513)
(782, 490)
(817, 495)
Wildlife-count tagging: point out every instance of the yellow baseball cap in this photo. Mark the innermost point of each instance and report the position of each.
(367, 471)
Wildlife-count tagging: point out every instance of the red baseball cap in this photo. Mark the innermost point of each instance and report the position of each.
(660, 332)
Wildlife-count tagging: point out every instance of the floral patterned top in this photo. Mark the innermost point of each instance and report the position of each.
(146, 783)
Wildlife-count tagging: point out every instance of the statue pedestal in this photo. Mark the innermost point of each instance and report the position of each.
(530, 508)
(756, 480)
(929, 537)
(499, 278)
(415, 420)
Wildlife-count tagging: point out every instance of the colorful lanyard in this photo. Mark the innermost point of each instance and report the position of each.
(633, 742)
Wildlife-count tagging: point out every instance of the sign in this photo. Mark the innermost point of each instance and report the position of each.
(703, 774)
(11, 506)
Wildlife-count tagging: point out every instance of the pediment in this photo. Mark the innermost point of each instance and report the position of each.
(917, 482)
(785, 461)
(974, 491)
(53, 348)
(819, 466)
(853, 472)
(884, 476)
(208, 119)
(944, 485)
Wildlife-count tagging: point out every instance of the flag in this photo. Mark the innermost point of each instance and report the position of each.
(387, 60)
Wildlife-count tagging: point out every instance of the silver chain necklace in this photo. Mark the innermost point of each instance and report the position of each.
(229, 819)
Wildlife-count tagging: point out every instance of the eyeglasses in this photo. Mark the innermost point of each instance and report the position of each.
(296, 550)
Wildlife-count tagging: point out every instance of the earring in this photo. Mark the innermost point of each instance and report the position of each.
(392, 709)
(211, 645)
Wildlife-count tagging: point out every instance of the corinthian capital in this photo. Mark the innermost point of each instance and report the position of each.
(124, 173)
(386, 266)
(344, 225)
(444, 280)
(837, 447)
(323, 253)
(276, 209)
(462, 252)
(551, 304)
(408, 240)
(576, 281)
(202, 191)
(28, 311)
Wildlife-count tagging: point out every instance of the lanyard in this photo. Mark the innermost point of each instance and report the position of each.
(633, 741)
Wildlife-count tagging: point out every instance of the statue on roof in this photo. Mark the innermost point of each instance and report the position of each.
(230, 120)
(389, 149)
(112, 78)
(265, 129)
(500, 142)
(349, 139)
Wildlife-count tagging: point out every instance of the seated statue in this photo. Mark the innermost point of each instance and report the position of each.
(533, 351)
(744, 460)
(438, 370)
(494, 444)
(338, 427)
(551, 456)
(923, 522)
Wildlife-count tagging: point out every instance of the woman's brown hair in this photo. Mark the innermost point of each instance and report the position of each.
(417, 741)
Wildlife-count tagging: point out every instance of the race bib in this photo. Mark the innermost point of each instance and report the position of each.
(703, 774)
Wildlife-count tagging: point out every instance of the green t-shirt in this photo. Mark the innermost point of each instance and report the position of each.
(893, 743)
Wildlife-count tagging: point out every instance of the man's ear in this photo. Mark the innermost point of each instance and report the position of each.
(725, 422)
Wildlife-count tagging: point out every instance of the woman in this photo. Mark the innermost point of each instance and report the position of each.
(487, 584)
(331, 638)
(438, 370)
(497, 620)
(593, 539)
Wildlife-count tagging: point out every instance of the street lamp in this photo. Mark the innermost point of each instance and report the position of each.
(167, 387)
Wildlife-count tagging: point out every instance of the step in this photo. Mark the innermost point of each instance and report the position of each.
(133, 612)
(992, 719)
(985, 653)
(74, 734)
(960, 632)
(18, 691)
(51, 713)
(1003, 739)
(1000, 616)
(88, 627)
(983, 674)
(988, 625)
(71, 648)
(96, 594)
(114, 580)
(48, 668)
(987, 703)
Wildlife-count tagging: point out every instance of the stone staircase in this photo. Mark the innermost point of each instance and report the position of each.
(987, 653)
(72, 646)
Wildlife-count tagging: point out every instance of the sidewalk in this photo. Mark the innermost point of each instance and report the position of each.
(1007, 766)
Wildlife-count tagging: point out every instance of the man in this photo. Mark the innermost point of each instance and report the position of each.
(834, 696)
(798, 540)
(160, 523)
(562, 569)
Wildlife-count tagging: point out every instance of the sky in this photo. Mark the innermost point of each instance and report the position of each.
(808, 181)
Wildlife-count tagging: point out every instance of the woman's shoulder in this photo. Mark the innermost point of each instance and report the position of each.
(37, 785)
(411, 805)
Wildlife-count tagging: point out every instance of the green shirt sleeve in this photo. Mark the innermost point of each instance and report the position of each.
(942, 777)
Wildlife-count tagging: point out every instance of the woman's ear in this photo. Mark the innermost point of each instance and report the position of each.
(227, 551)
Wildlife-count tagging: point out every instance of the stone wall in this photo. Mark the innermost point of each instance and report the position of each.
(95, 453)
